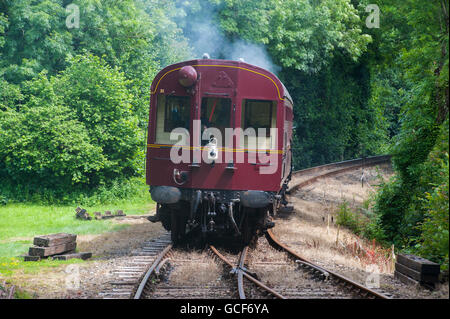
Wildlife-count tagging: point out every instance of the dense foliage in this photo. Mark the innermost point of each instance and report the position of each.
(74, 100)
(412, 208)
(317, 49)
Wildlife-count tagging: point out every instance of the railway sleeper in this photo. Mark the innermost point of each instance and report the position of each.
(317, 272)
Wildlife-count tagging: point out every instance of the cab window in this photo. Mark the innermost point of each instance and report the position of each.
(215, 113)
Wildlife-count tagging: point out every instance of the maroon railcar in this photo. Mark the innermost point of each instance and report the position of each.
(219, 147)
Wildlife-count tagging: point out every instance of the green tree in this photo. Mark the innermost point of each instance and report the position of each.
(72, 131)
(43, 146)
(100, 73)
(414, 44)
(34, 30)
(99, 96)
(434, 230)
(305, 35)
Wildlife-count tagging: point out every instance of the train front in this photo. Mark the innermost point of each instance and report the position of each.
(218, 153)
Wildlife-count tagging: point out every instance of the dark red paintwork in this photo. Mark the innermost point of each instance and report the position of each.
(240, 81)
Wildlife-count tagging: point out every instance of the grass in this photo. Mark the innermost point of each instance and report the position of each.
(10, 264)
(19, 223)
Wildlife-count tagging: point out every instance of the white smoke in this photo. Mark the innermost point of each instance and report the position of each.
(206, 37)
(251, 53)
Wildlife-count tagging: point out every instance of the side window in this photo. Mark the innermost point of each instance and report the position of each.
(258, 114)
(172, 112)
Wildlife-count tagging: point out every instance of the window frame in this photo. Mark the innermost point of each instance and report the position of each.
(161, 136)
(245, 107)
(166, 112)
(230, 112)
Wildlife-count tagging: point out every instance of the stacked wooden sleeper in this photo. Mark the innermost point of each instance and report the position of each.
(58, 246)
(411, 269)
(81, 213)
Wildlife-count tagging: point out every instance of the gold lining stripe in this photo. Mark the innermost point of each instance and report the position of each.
(222, 66)
(223, 149)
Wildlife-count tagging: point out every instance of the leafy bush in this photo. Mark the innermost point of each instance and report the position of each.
(433, 241)
(72, 131)
(115, 191)
(389, 208)
(434, 238)
(411, 210)
(344, 215)
(351, 219)
(43, 145)
(99, 97)
(3, 200)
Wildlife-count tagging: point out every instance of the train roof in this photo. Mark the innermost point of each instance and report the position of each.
(239, 64)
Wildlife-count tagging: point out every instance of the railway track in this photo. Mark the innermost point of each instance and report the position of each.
(155, 284)
(129, 275)
(307, 279)
(166, 278)
(325, 274)
(288, 278)
(149, 272)
(308, 176)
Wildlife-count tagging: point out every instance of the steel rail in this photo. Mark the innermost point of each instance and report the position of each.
(160, 265)
(341, 168)
(246, 275)
(240, 273)
(366, 160)
(277, 244)
(240, 270)
(151, 270)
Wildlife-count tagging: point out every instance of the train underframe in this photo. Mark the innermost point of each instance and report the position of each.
(238, 216)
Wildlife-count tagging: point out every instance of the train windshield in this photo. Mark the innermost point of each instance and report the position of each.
(172, 112)
(216, 113)
(259, 114)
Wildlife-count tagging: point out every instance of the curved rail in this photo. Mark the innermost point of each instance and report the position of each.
(242, 272)
(366, 160)
(363, 290)
(240, 269)
(339, 167)
(151, 270)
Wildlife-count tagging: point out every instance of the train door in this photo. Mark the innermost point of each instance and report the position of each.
(216, 116)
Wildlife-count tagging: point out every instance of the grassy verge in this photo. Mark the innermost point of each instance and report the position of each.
(10, 265)
(21, 222)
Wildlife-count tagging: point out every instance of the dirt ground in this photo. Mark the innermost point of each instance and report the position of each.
(308, 231)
